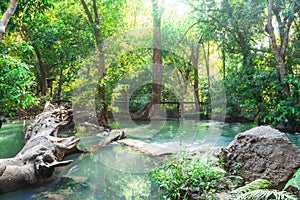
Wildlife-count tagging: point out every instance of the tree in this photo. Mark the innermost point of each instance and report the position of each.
(95, 22)
(157, 58)
(6, 17)
(102, 28)
(195, 61)
(284, 18)
(25, 22)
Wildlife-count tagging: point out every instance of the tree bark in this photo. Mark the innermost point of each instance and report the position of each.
(284, 39)
(206, 58)
(42, 153)
(157, 60)
(195, 60)
(6, 17)
(224, 63)
(60, 83)
(43, 81)
(102, 107)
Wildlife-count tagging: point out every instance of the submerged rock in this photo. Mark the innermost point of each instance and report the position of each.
(151, 149)
(263, 152)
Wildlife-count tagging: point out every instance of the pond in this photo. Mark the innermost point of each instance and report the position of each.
(116, 172)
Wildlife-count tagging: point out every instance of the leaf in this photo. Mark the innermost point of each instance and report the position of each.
(297, 178)
(288, 184)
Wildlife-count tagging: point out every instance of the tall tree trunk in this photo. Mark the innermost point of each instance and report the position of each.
(206, 58)
(224, 63)
(101, 105)
(42, 70)
(41, 67)
(157, 59)
(6, 17)
(60, 83)
(284, 39)
(195, 60)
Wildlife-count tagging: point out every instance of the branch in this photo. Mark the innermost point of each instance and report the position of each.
(194, 24)
(96, 12)
(6, 17)
(270, 28)
(87, 12)
(93, 23)
(285, 41)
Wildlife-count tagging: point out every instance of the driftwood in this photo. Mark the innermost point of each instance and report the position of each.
(42, 153)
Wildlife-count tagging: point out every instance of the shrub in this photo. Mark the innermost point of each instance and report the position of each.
(183, 178)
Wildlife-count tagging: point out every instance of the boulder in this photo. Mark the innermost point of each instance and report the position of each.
(263, 152)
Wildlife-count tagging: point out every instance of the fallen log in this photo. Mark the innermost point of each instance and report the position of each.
(42, 153)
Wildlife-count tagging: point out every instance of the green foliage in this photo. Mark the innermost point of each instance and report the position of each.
(258, 190)
(287, 109)
(16, 82)
(142, 96)
(60, 32)
(255, 185)
(26, 11)
(182, 177)
(261, 194)
(57, 32)
(295, 179)
(249, 68)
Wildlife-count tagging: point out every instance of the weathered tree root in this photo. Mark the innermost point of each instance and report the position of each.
(42, 153)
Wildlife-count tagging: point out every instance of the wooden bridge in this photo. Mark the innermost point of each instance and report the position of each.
(180, 108)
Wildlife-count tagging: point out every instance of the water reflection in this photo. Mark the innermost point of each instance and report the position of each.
(111, 173)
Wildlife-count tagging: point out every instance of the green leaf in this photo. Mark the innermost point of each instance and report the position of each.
(288, 184)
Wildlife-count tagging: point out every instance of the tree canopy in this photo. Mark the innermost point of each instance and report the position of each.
(242, 54)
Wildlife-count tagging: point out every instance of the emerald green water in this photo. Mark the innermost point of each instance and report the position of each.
(115, 172)
(11, 138)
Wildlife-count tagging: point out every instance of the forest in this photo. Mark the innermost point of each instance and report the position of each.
(251, 48)
(114, 60)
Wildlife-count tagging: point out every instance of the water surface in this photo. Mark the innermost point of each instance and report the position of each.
(116, 172)
(12, 138)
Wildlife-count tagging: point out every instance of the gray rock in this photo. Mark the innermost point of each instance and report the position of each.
(264, 153)
(112, 136)
(147, 148)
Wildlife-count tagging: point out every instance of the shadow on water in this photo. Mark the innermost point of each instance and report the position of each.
(116, 172)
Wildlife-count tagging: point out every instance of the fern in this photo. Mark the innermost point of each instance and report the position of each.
(257, 190)
(264, 194)
(254, 185)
